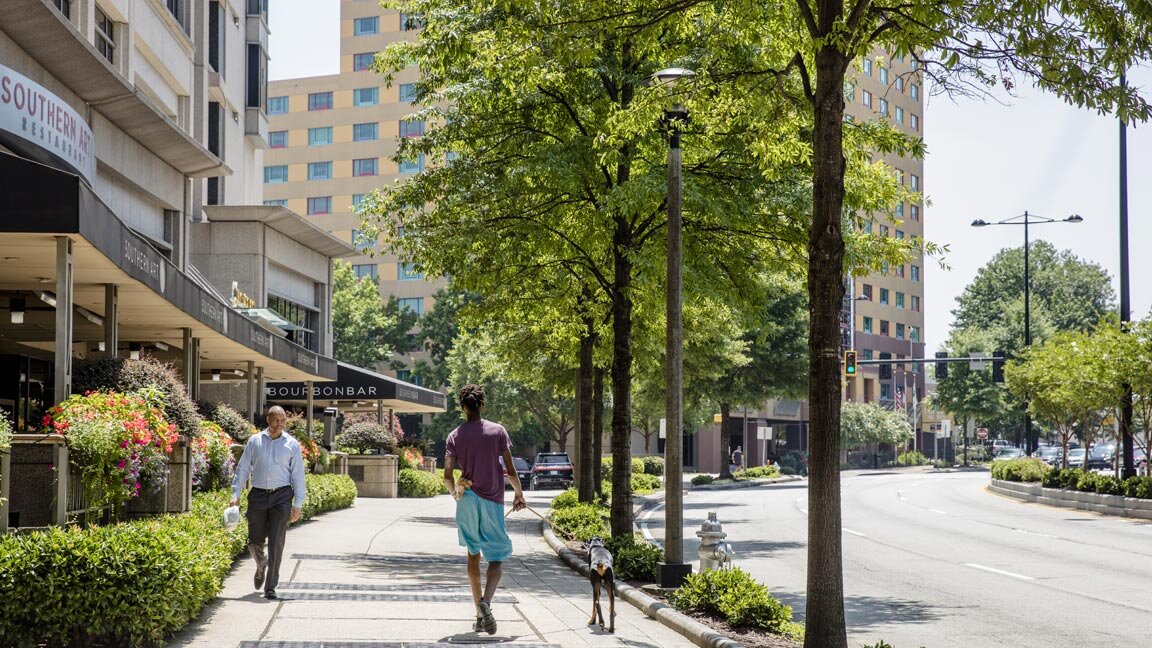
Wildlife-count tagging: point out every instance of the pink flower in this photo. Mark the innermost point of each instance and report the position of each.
(120, 464)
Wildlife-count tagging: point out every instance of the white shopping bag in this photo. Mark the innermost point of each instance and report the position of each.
(231, 517)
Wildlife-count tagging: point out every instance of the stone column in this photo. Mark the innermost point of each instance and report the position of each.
(5, 471)
(251, 374)
(63, 387)
(111, 319)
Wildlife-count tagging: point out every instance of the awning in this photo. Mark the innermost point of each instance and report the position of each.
(356, 388)
(156, 299)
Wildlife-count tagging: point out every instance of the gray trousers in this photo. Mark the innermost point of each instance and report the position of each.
(268, 515)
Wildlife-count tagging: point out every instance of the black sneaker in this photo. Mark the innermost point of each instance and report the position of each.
(478, 625)
(487, 621)
(271, 595)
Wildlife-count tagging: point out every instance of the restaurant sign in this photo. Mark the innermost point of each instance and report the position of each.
(31, 113)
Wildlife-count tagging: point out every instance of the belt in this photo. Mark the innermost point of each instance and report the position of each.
(270, 490)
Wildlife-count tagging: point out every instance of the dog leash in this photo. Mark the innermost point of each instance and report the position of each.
(534, 511)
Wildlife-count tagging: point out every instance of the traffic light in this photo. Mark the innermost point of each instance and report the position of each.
(998, 367)
(850, 364)
(885, 367)
(941, 367)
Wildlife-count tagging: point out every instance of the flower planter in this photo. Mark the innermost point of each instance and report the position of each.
(176, 495)
(37, 487)
(375, 475)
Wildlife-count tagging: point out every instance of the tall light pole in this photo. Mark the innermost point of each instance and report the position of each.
(1027, 219)
(1129, 464)
(673, 570)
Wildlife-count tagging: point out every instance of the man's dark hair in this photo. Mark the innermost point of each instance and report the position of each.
(471, 397)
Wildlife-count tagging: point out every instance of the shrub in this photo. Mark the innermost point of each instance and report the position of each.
(1024, 469)
(975, 454)
(1086, 481)
(734, 596)
(1138, 487)
(642, 483)
(637, 466)
(411, 457)
(1060, 478)
(420, 483)
(914, 458)
(757, 472)
(232, 422)
(5, 433)
(787, 470)
(212, 464)
(1109, 485)
(327, 493)
(365, 437)
(297, 426)
(568, 498)
(580, 522)
(653, 465)
(124, 375)
(635, 557)
(942, 463)
(702, 480)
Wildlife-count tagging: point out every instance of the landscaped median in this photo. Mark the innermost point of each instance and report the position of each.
(711, 608)
(1033, 480)
(129, 584)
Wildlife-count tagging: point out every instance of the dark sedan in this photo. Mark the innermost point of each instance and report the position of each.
(523, 471)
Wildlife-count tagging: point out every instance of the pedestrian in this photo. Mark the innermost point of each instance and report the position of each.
(476, 448)
(738, 458)
(274, 461)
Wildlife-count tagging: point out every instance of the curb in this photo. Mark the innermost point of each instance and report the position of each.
(748, 484)
(696, 632)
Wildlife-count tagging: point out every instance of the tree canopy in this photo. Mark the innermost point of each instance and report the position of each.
(365, 332)
(864, 423)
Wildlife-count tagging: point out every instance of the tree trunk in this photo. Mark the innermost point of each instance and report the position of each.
(598, 431)
(584, 425)
(825, 608)
(725, 415)
(621, 515)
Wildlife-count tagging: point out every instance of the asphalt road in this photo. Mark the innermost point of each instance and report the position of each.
(935, 560)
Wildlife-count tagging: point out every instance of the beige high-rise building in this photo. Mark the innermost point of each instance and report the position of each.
(331, 140)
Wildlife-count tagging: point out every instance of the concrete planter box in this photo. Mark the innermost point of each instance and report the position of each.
(176, 496)
(37, 480)
(339, 463)
(429, 464)
(375, 475)
(1106, 504)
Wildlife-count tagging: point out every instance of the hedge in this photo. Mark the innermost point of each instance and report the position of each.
(580, 522)
(1024, 469)
(734, 596)
(756, 472)
(702, 480)
(913, 458)
(1082, 480)
(128, 584)
(420, 483)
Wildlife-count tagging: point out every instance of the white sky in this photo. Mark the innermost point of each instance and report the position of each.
(985, 160)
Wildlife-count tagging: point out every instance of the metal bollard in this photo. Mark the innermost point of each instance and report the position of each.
(713, 552)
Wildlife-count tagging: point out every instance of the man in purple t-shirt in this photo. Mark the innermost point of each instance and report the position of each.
(476, 448)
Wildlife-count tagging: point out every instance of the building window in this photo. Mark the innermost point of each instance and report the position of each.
(867, 292)
(849, 92)
(366, 270)
(868, 227)
(414, 304)
(900, 84)
(914, 90)
(883, 327)
(867, 67)
(883, 74)
(867, 324)
(365, 96)
(407, 92)
(900, 270)
(306, 319)
(366, 26)
(319, 170)
(320, 205)
(899, 115)
(256, 93)
(257, 8)
(883, 295)
(914, 333)
(885, 391)
(899, 331)
(105, 36)
(217, 19)
(407, 376)
(899, 300)
(915, 182)
(412, 128)
(176, 8)
(883, 267)
(277, 105)
(915, 304)
(278, 139)
(276, 174)
(900, 209)
(408, 272)
(283, 202)
(915, 212)
(866, 354)
(364, 167)
(320, 136)
(363, 241)
(364, 132)
(884, 107)
(884, 230)
(412, 166)
(361, 62)
(64, 7)
(915, 272)
(915, 119)
(899, 234)
(320, 101)
(357, 199)
(866, 98)
(410, 22)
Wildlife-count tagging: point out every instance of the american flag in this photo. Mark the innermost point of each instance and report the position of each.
(899, 402)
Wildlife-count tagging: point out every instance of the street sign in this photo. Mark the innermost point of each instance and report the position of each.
(663, 428)
(945, 431)
(981, 433)
(763, 433)
(977, 363)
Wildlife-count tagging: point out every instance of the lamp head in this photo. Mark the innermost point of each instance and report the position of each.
(16, 306)
(670, 77)
(979, 222)
(1074, 218)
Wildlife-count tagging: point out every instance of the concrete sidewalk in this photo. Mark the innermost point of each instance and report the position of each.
(389, 573)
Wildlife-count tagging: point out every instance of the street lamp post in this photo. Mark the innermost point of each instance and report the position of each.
(1126, 442)
(1027, 219)
(673, 570)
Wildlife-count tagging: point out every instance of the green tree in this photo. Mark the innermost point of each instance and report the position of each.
(1134, 357)
(364, 332)
(866, 423)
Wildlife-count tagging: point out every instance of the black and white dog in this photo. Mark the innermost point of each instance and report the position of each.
(602, 575)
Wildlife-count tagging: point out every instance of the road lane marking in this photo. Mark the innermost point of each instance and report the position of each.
(900, 494)
(855, 533)
(799, 507)
(938, 511)
(999, 571)
(1042, 535)
(644, 526)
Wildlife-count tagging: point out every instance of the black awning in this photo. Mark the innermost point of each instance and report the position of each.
(354, 384)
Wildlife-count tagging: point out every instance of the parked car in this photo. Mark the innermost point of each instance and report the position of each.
(1049, 454)
(523, 471)
(551, 469)
(1008, 453)
(1100, 457)
(1076, 457)
(999, 444)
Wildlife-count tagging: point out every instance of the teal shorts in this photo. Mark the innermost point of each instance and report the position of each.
(480, 525)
